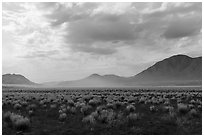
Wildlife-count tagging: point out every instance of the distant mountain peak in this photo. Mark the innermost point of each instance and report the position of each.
(95, 75)
(16, 79)
(110, 75)
(177, 67)
(180, 55)
(13, 75)
(103, 76)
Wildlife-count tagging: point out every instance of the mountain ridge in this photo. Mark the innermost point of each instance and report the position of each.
(173, 70)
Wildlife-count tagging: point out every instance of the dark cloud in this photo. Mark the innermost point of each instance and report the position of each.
(90, 31)
(141, 25)
(107, 17)
(183, 28)
(172, 21)
(103, 28)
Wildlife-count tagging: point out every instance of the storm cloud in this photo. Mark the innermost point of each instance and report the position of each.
(90, 23)
(90, 31)
(183, 28)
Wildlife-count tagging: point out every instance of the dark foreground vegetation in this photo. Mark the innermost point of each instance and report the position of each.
(101, 111)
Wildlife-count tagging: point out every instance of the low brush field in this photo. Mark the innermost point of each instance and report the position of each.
(101, 111)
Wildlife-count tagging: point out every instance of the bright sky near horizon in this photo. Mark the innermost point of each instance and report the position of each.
(68, 41)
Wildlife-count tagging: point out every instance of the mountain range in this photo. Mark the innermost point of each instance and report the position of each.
(175, 70)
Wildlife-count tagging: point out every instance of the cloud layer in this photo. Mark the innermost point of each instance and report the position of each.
(98, 37)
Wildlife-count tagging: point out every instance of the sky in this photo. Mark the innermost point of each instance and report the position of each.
(69, 41)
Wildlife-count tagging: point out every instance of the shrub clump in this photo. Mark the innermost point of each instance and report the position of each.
(89, 119)
(133, 116)
(152, 108)
(106, 116)
(17, 106)
(85, 109)
(130, 108)
(94, 102)
(182, 108)
(62, 116)
(17, 121)
(193, 113)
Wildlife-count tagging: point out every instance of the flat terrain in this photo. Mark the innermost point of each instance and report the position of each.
(102, 111)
